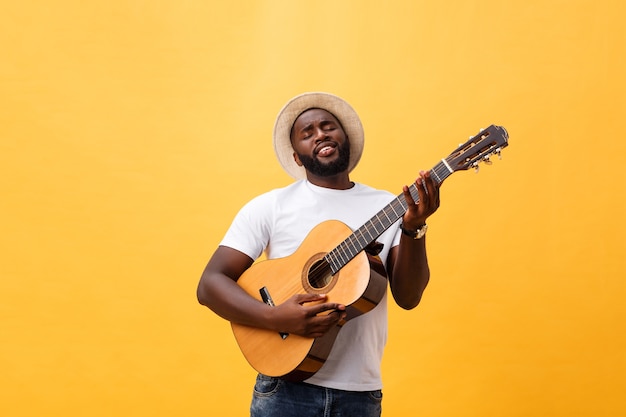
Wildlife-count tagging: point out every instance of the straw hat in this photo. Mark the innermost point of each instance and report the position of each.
(346, 115)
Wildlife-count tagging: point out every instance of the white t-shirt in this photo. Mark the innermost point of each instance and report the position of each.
(278, 221)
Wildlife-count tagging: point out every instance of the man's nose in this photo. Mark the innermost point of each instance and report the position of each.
(320, 135)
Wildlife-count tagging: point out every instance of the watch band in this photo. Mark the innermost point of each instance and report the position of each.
(415, 234)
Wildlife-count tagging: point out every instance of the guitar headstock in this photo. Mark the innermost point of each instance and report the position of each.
(479, 148)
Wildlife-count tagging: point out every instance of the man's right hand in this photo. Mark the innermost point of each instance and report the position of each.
(294, 316)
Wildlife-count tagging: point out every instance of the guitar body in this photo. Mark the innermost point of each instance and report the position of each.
(357, 285)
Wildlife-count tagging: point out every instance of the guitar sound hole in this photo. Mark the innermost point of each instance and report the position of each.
(320, 275)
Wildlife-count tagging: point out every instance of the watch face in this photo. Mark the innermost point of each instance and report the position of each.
(421, 232)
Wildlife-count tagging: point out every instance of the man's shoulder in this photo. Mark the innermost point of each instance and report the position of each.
(287, 189)
(369, 190)
(275, 194)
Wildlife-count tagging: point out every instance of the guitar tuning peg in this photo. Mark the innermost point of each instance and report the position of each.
(499, 154)
(481, 130)
(487, 161)
(476, 167)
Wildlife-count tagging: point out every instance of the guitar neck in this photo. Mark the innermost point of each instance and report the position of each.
(374, 227)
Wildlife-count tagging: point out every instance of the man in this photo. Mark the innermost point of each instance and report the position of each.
(318, 138)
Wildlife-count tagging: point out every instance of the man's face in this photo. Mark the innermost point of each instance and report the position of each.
(320, 144)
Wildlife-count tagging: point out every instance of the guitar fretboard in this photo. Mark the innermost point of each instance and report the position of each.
(383, 220)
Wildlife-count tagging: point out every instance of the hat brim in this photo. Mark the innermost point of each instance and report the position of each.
(346, 115)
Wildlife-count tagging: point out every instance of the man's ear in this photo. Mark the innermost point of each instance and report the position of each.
(295, 158)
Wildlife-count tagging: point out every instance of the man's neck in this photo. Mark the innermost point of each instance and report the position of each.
(335, 182)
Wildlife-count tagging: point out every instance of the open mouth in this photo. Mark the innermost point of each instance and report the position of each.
(325, 150)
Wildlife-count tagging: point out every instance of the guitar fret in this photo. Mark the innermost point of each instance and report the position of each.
(388, 219)
(443, 170)
(361, 240)
(343, 257)
(351, 242)
(330, 259)
(434, 171)
(378, 219)
(398, 206)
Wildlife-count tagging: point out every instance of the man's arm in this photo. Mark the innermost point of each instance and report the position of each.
(408, 263)
(219, 291)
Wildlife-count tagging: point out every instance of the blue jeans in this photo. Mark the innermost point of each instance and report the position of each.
(275, 397)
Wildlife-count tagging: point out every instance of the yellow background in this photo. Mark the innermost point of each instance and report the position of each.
(132, 131)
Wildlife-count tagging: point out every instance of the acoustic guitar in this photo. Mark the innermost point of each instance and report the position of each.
(333, 260)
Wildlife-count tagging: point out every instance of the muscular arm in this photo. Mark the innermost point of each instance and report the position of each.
(219, 291)
(410, 272)
(408, 263)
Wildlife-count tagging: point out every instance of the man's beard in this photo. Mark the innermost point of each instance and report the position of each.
(320, 169)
